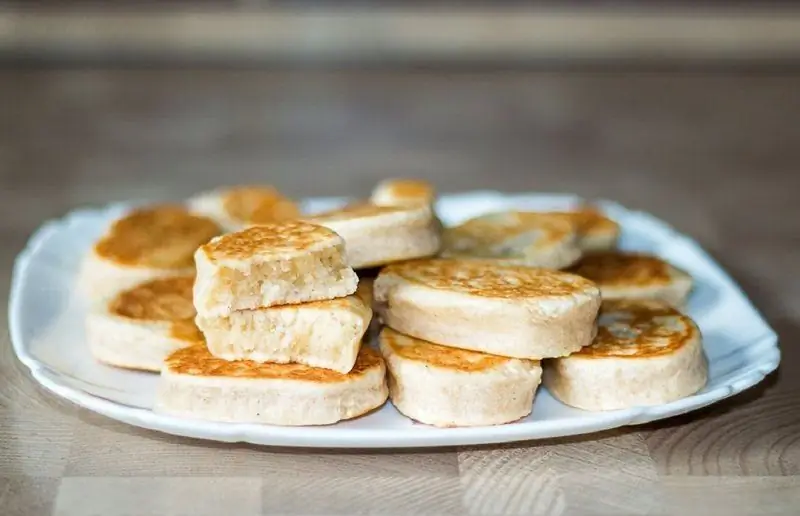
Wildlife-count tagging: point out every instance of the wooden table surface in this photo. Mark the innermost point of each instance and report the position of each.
(715, 154)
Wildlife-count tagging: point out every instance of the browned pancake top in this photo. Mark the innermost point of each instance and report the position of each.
(615, 268)
(279, 237)
(639, 328)
(163, 237)
(495, 228)
(258, 204)
(166, 299)
(439, 356)
(487, 279)
(197, 361)
(407, 190)
(590, 221)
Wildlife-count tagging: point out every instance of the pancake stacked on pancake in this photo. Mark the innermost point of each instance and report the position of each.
(460, 323)
(283, 329)
(379, 235)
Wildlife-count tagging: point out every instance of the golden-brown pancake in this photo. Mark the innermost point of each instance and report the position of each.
(596, 231)
(377, 235)
(403, 192)
(146, 243)
(139, 327)
(196, 384)
(235, 208)
(630, 275)
(515, 238)
(444, 386)
(506, 310)
(163, 237)
(645, 353)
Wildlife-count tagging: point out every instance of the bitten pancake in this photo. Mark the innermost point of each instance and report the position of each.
(622, 275)
(596, 232)
(645, 353)
(515, 238)
(520, 312)
(146, 243)
(377, 235)
(243, 206)
(318, 334)
(403, 192)
(194, 384)
(271, 264)
(140, 327)
(443, 386)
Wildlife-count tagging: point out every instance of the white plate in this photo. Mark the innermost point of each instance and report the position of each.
(46, 321)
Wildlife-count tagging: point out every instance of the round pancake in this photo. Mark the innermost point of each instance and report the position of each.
(596, 232)
(627, 275)
(242, 206)
(515, 238)
(161, 237)
(195, 384)
(140, 327)
(403, 192)
(513, 311)
(283, 239)
(146, 243)
(377, 235)
(645, 353)
(448, 387)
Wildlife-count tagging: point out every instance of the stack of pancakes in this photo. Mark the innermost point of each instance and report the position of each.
(254, 312)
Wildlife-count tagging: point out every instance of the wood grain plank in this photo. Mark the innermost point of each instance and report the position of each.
(158, 495)
(319, 493)
(28, 496)
(760, 437)
(34, 442)
(100, 446)
(730, 496)
(610, 475)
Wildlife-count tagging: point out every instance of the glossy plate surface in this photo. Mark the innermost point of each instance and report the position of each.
(46, 321)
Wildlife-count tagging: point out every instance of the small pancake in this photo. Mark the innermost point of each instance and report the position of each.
(449, 387)
(515, 238)
(513, 311)
(403, 192)
(195, 384)
(627, 275)
(239, 207)
(596, 232)
(271, 264)
(146, 243)
(377, 235)
(646, 353)
(140, 327)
